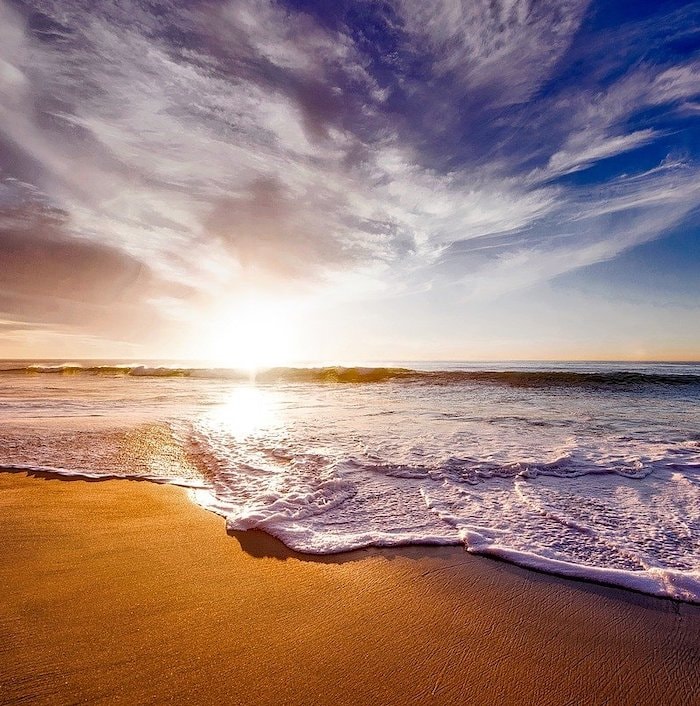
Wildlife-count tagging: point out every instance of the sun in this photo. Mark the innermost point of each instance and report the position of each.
(255, 334)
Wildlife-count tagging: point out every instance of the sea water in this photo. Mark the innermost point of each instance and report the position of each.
(585, 470)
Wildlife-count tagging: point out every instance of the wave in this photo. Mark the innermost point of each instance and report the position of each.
(68, 369)
(325, 374)
(49, 472)
(291, 517)
(654, 581)
(363, 375)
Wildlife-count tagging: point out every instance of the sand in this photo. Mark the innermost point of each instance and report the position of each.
(125, 592)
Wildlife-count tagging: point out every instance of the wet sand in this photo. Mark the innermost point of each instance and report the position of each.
(118, 591)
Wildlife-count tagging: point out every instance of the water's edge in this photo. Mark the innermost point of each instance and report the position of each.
(649, 582)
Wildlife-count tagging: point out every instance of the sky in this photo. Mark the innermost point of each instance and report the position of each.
(273, 182)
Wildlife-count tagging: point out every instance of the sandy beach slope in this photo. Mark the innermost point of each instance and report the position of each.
(125, 592)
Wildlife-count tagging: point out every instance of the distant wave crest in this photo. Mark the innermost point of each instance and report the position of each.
(362, 375)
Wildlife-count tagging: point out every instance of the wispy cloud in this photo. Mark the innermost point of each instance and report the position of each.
(507, 48)
(219, 146)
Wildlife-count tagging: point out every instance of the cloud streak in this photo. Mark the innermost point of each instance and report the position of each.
(224, 146)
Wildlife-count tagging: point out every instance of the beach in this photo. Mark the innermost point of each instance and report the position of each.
(349, 353)
(127, 592)
(583, 470)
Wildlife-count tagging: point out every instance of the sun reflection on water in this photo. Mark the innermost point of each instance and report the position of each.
(247, 410)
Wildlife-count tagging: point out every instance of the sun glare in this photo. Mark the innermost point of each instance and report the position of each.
(247, 410)
(255, 335)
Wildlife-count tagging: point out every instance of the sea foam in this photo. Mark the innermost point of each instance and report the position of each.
(597, 480)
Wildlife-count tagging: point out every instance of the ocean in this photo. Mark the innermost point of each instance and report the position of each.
(589, 470)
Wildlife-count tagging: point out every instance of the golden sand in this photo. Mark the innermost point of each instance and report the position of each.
(125, 592)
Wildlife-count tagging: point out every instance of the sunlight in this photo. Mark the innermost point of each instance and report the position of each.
(247, 410)
(254, 335)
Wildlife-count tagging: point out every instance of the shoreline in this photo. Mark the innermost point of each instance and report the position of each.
(130, 590)
(598, 576)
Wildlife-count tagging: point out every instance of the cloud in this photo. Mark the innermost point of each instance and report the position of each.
(52, 278)
(678, 83)
(202, 149)
(585, 148)
(597, 121)
(508, 45)
(633, 210)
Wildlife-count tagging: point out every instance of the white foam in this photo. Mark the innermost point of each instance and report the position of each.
(101, 475)
(592, 484)
(669, 583)
(615, 513)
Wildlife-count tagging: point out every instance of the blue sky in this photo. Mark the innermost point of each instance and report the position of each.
(370, 180)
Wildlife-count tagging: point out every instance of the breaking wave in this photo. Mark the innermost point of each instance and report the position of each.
(590, 471)
(365, 375)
